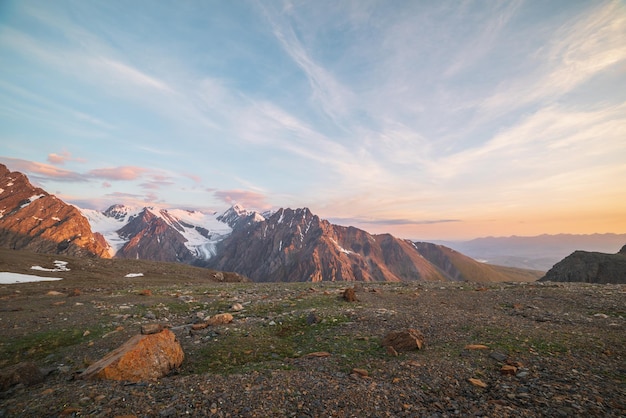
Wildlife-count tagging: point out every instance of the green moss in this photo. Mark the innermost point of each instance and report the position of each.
(271, 346)
(41, 344)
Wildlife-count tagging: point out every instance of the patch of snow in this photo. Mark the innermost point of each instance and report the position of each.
(343, 250)
(1, 191)
(54, 218)
(14, 278)
(58, 266)
(32, 199)
(134, 275)
(9, 184)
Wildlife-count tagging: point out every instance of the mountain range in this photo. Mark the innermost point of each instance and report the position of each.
(284, 245)
(535, 252)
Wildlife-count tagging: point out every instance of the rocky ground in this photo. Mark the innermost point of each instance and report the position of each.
(300, 350)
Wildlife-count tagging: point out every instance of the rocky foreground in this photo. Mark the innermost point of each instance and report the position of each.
(301, 350)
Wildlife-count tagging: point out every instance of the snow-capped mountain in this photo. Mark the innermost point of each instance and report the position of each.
(165, 234)
(287, 245)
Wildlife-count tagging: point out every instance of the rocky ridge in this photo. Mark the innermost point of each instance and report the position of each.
(590, 267)
(32, 219)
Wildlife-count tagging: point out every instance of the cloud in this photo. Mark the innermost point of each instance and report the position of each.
(124, 173)
(130, 74)
(196, 179)
(390, 221)
(42, 171)
(247, 198)
(334, 98)
(106, 185)
(60, 159)
(578, 51)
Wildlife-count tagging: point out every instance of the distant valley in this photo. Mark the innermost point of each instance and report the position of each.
(535, 253)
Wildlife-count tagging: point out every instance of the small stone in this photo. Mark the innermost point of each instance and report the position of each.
(168, 412)
(349, 295)
(319, 354)
(54, 293)
(86, 333)
(477, 382)
(220, 319)
(150, 315)
(498, 356)
(148, 329)
(508, 370)
(406, 340)
(75, 292)
(476, 347)
(601, 315)
(522, 374)
(360, 372)
(236, 307)
(145, 292)
(70, 411)
(312, 319)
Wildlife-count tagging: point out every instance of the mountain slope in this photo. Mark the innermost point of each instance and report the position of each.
(457, 266)
(589, 267)
(32, 219)
(295, 245)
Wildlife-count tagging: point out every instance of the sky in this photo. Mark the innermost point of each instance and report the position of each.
(425, 119)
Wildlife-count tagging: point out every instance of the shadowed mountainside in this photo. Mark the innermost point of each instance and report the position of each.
(589, 267)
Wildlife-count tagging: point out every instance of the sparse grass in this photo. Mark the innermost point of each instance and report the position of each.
(39, 345)
(268, 346)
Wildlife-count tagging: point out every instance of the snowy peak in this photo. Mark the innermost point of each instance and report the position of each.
(237, 214)
(121, 212)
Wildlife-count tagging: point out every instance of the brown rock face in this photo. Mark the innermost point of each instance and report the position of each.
(151, 238)
(295, 245)
(143, 357)
(34, 220)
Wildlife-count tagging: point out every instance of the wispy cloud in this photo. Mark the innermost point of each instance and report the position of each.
(247, 198)
(42, 171)
(578, 51)
(124, 173)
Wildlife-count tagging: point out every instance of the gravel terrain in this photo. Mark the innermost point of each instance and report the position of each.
(300, 350)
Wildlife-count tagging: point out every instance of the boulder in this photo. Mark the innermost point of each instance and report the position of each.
(143, 357)
(405, 340)
(26, 373)
(349, 295)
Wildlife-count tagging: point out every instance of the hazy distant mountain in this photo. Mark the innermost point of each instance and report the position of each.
(590, 267)
(538, 252)
(34, 220)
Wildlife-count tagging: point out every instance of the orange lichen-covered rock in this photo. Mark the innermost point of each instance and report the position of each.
(143, 357)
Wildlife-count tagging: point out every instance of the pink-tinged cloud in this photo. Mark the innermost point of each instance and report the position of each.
(124, 173)
(193, 177)
(40, 171)
(57, 159)
(248, 199)
(106, 184)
